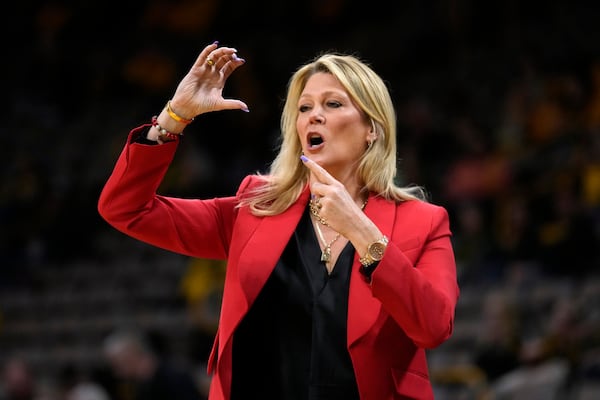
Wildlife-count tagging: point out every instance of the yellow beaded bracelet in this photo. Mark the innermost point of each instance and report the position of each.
(175, 116)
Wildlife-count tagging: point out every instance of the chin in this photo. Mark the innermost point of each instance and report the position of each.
(318, 159)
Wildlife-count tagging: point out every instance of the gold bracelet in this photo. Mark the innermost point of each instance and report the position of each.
(175, 116)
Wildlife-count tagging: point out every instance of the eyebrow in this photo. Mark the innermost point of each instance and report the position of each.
(326, 93)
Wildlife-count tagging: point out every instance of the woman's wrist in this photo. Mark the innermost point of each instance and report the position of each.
(164, 123)
(176, 115)
(362, 233)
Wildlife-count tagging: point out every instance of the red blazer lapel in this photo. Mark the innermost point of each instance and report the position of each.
(259, 256)
(363, 308)
(249, 266)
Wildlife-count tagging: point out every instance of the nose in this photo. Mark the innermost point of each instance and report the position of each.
(316, 116)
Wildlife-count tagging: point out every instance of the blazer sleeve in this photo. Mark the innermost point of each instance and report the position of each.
(129, 202)
(416, 279)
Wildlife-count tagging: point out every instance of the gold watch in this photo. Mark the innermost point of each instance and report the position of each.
(374, 252)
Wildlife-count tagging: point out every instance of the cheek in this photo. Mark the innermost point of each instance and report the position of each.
(354, 123)
(353, 132)
(299, 136)
(300, 124)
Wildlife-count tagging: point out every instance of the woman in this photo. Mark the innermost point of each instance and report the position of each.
(337, 280)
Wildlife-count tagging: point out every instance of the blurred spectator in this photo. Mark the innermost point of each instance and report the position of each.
(150, 374)
(17, 380)
(547, 358)
(75, 385)
(532, 344)
(473, 245)
(498, 346)
(87, 391)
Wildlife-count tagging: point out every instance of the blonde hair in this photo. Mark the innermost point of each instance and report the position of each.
(287, 175)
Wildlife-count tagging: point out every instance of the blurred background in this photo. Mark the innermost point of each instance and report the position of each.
(498, 108)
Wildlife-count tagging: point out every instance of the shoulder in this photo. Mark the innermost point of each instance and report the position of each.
(420, 206)
(251, 183)
(425, 212)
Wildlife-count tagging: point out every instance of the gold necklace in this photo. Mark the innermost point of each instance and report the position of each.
(326, 251)
(315, 207)
(314, 210)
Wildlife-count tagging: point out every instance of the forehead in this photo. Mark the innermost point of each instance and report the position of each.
(322, 82)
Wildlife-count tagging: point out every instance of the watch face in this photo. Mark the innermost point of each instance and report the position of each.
(376, 250)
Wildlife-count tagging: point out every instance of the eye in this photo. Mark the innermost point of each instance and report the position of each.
(334, 104)
(304, 108)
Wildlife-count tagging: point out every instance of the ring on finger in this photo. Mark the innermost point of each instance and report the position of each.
(210, 61)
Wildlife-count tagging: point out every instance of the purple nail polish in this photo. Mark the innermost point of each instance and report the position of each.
(303, 158)
(216, 42)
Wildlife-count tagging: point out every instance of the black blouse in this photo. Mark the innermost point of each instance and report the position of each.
(292, 343)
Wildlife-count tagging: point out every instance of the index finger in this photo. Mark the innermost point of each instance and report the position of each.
(320, 173)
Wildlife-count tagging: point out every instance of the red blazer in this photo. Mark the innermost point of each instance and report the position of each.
(408, 306)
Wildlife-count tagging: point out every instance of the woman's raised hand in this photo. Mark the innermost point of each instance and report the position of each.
(201, 90)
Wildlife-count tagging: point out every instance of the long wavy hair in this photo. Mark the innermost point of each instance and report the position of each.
(287, 176)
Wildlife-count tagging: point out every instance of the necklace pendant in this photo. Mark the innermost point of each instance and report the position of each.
(326, 254)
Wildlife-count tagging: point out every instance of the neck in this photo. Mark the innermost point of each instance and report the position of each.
(352, 184)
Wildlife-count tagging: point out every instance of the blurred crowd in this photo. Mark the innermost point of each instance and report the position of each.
(498, 110)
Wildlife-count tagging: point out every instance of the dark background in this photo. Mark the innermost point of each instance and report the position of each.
(499, 118)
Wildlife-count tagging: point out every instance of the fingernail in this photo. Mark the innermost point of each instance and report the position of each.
(216, 42)
(245, 109)
(304, 158)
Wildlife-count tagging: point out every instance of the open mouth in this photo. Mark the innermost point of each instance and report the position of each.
(315, 140)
